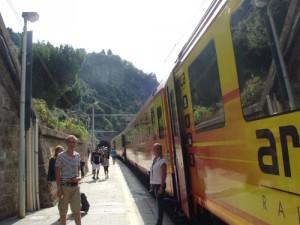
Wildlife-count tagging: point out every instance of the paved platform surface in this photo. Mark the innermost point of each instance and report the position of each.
(119, 200)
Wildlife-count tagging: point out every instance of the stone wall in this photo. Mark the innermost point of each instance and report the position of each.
(48, 139)
(9, 125)
(10, 134)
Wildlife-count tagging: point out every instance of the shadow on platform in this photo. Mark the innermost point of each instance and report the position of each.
(145, 203)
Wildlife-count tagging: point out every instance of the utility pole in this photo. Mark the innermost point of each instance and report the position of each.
(32, 17)
(22, 208)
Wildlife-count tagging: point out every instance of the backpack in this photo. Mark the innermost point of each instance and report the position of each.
(85, 205)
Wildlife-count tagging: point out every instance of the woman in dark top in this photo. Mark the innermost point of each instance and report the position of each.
(51, 170)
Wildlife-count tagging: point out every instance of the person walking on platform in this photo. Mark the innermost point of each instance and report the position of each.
(105, 162)
(158, 174)
(51, 169)
(51, 172)
(113, 154)
(95, 161)
(82, 164)
(67, 168)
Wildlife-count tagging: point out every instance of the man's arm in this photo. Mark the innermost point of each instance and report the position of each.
(92, 155)
(163, 177)
(78, 177)
(79, 169)
(58, 178)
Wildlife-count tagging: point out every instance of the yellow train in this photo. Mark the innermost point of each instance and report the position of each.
(228, 116)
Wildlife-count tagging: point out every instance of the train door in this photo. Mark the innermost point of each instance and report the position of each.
(179, 154)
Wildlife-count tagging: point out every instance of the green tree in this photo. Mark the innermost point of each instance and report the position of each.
(65, 77)
(109, 52)
(15, 37)
(116, 85)
(55, 72)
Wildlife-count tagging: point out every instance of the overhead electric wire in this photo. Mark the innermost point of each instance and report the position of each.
(12, 7)
(52, 79)
(195, 17)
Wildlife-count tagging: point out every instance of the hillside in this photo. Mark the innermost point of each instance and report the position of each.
(115, 85)
(74, 81)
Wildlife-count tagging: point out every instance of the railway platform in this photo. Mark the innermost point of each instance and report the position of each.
(119, 200)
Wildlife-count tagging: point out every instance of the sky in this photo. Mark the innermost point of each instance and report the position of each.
(149, 33)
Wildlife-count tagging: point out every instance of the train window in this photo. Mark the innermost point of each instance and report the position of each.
(123, 140)
(206, 91)
(152, 116)
(182, 80)
(160, 122)
(185, 102)
(266, 40)
(153, 129)
(174, 113)
(187, 121)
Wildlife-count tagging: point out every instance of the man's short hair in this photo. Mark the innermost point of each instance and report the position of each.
(158, 145)
(71, 137)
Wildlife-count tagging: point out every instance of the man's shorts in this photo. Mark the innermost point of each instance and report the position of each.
(71, 195)
(96, 166)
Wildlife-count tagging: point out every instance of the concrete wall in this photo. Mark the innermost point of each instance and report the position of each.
(9, 125)
(48, 139)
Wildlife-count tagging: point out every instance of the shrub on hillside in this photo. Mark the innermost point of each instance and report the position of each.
(59, 120)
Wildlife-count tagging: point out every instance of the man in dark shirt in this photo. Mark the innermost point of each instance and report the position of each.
(51, 169)
(95, 161)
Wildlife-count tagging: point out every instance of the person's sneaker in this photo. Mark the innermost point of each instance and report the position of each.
(93, 177)
(97, 177)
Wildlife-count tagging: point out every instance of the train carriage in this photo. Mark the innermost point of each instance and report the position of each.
(231, 111)
(151, 125)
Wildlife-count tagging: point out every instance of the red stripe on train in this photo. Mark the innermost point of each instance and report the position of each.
(231, 95)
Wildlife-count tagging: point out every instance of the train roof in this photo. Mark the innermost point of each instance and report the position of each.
(208, 17)
(156, 92)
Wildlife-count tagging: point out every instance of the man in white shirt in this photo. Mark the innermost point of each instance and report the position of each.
(158, 175)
